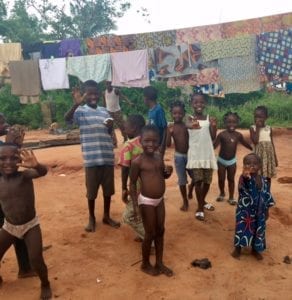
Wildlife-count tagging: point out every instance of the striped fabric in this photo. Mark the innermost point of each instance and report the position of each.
(96, 142)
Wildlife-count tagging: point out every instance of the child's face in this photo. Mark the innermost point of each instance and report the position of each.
(260, 118)
(177, 114)
(92, 96)
(9, 158)
(150, 142)
(198, 103)
(231, 123)
(130, 130)
(252, 164)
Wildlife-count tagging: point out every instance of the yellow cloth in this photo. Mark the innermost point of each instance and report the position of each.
(8, 52)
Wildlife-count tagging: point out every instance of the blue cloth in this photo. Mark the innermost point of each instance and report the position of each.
(226, 163)
(253, 204)
(70, 47)
(96, 142)
(180, 162)
(156, 116)
(49, 50)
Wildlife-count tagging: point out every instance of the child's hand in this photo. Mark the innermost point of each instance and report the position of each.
(125, 195)
(170, 127)
(168, 171)
(246, 171)
(108, 122)
(194, 122)
(28, 159)
(213, 122)
(77, 97)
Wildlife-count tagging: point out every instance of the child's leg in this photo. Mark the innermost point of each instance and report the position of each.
(148, 214)
(34, 243)
(183, 191)
(106, 213)
(236, 252)
(159, 240)
(198, 191)
(6, 240)
(92, 222)
(231, 170)
(221, 180)
(25, 269)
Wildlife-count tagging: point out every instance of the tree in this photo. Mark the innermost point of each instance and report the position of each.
(32, 21)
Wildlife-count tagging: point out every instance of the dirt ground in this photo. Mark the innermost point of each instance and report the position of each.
(101, 265)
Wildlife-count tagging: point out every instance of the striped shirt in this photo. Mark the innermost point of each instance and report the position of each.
(96, 142)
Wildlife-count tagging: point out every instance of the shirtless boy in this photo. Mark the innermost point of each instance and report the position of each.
(149, 167)
(228, 141)
(179, 132)
(18, 204)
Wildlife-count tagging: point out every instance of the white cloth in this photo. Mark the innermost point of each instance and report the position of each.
(201, 153)
(54, 74)
(264, 134)
(112, 101)
(90, 67)
(130, 69)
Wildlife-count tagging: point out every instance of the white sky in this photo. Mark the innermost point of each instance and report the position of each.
(174, 14)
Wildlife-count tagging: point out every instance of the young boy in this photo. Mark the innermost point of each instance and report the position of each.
(131, 150)
(97, 148)
(18, 205)
(228, 140)
(179, 132)
(150, 169)
(156, 115)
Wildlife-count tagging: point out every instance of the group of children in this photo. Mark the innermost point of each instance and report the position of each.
(144, 172)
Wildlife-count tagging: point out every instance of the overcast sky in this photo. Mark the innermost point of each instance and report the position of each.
(173, 14)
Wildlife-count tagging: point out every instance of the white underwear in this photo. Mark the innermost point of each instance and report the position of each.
(20, 230)
(148, 201)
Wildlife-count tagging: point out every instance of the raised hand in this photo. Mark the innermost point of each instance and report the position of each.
(170, 127)
(246, 171)
(77, 97)
(213, 122)
(28, 159)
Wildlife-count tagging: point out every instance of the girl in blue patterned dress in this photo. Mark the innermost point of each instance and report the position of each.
(253, 208)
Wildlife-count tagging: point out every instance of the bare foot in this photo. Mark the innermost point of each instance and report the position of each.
(150, 270)
(185, 207)
(26, 274)
(91, 225)
(257, 255)
(236, 252)
(46, 292)
(111, 222)
(162, 269)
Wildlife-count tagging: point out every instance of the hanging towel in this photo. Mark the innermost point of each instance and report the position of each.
(50, 50)
(25, 78)
(130, 69)
(70, 47)
(29, 99)
(94, 67)
(53, 74)
(9, 52)
(238, 46)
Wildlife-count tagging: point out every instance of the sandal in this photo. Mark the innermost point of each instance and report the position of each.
(200, 215)
(220, 198)
(232, 201)
(209, 206)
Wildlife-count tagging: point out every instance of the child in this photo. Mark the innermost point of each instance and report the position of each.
(201, 156)
(18, 205)
(253, 208)
(131, 150)
(262, 138)
(156, 115)
(97, 148)
(150, 169)
(228, 141)
(179, 132)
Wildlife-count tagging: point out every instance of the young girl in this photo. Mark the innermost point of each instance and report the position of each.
(201, 156)
(149, 167)
(228, 141)
(253, 208)
(262, 138)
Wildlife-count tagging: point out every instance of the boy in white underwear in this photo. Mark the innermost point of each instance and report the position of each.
(150, 168)
(18, 205)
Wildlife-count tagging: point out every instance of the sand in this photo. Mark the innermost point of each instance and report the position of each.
(100, 265)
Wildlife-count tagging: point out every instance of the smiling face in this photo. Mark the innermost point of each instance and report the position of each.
(253, 163)
(231, 123)
(92, 96)
(178, 114)
(260, 117)
(150, 141)
(198, 104)
(9, 158)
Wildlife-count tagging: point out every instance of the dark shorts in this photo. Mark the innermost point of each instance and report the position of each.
(96, 176)
(204, 175)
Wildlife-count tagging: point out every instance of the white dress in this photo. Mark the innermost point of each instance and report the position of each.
(201, 153)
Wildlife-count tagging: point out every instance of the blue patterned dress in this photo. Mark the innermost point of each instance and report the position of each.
(253, 204)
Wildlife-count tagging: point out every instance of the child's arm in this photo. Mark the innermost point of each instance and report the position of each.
(35, 169)
(169, 133)
(167, 171)
(254, 134)
(135, 170)
(77, 99)
(217, 141)
(244, 142)
(125, 176)
(213, 128)
(272, 140)
(192, 123)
